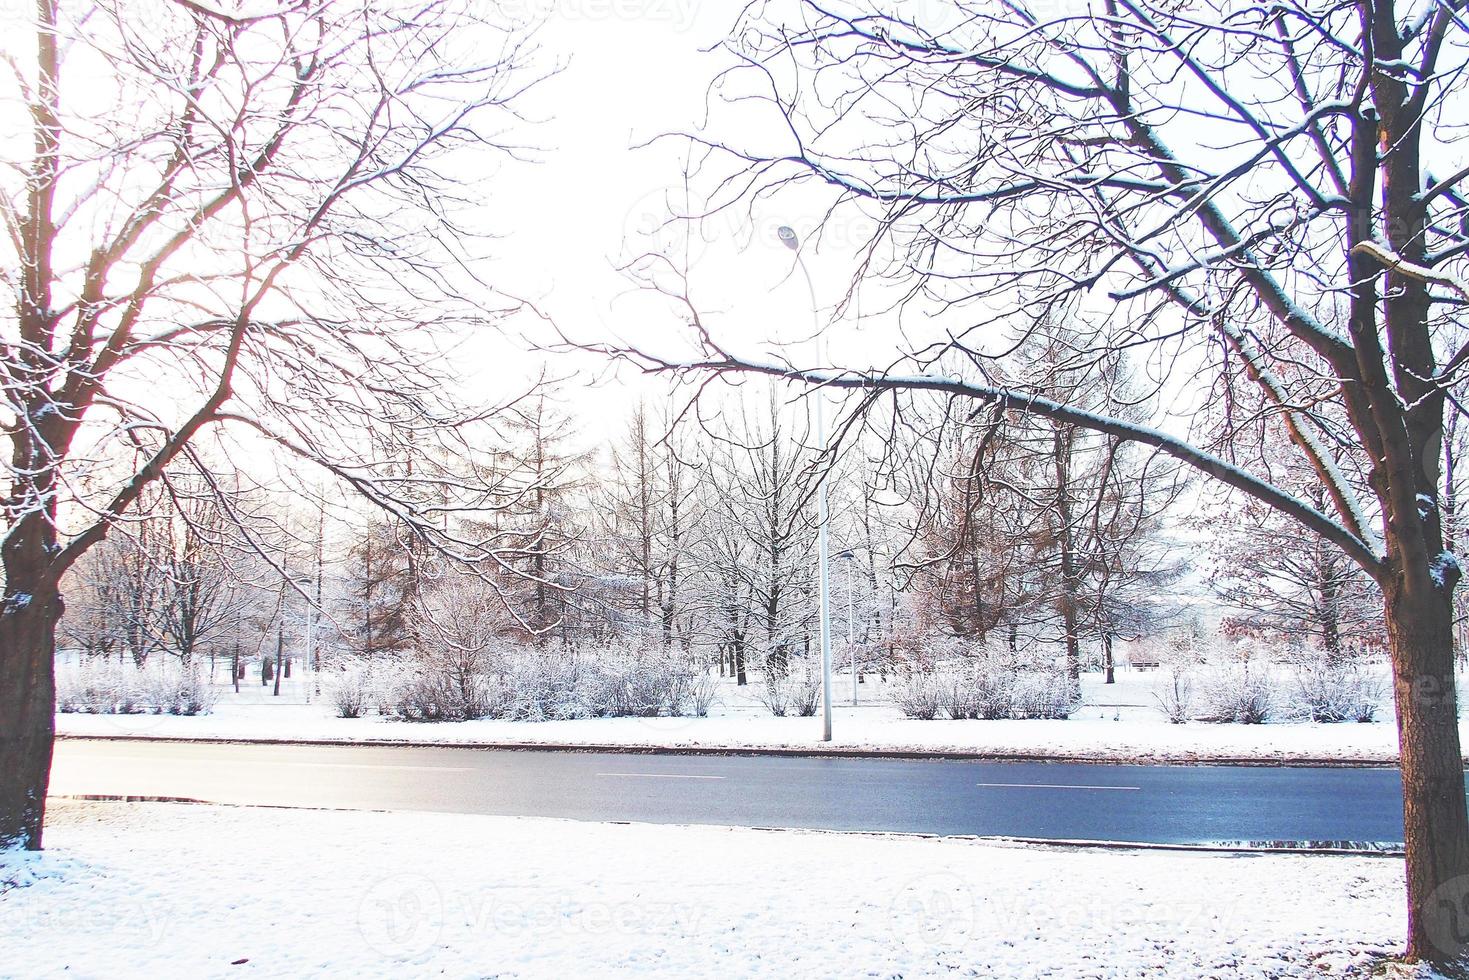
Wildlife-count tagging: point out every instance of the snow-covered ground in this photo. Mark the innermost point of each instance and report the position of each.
(170, 890)
(1117, 722)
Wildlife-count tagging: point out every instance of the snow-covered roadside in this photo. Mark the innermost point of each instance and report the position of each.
(1117, 723)
(867, 729)
(172, 890)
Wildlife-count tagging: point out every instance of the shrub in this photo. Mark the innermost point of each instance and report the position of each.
(163, 687)
(921, 695)
(774, 694)
(178, 691)
(1174, 692)
(795, 693)
(349, 690)
(1238, 694)
(693, 694)
(554, 684)
(423, 694)
(805, 692)
(1045, 695)
(985, 690)
(1326, 692)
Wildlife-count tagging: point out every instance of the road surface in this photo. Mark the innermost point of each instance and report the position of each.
(1151, 804)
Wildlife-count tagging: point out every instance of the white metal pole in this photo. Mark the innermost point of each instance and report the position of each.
(823, 562)
(851, 629)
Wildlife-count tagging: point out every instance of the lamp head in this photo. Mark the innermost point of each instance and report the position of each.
(788, 238)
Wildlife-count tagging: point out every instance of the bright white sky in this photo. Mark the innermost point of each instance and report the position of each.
(635, 69)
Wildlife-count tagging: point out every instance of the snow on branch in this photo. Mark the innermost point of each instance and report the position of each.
(1396, 263)
(1361, 551)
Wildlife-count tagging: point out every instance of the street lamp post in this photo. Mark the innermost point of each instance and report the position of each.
(823, 578)
(850, 557)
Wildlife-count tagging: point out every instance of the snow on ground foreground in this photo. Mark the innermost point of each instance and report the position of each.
(1116, 723)
(203, 891)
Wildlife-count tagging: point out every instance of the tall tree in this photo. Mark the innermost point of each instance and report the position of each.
(1017, 157)
(223, 218)
(545, 520)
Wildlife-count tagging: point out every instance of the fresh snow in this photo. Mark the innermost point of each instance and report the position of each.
(165, 890)
(1118, 722)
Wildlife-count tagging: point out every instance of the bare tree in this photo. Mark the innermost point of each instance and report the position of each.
(228, 218)
(649, 519)
(1244, 191)
(544, 519)
(1289, 586)
(119, 589)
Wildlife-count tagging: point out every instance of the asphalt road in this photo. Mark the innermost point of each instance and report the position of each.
(1152, 804)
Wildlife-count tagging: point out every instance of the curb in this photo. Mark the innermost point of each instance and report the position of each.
(801, 752)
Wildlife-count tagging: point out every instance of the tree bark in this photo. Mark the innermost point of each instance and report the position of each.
(27, 712)
(1435, 823)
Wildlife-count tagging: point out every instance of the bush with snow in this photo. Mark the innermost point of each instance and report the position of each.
(1043, 695)
(791, 692)
(349, 689)
(553, 684)
(1174, 692)
(1335, 692)
(985, 689)
(175, 690)
(921, 695)
(161, 687)
(1238, 693)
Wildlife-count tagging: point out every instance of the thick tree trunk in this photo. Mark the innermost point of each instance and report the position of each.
(27, 713)
(1435, 824)
(1109, 663)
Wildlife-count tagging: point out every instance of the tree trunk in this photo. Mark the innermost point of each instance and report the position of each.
(27, 712)
(1109, 663)
(1435, 823)
(1070, 575)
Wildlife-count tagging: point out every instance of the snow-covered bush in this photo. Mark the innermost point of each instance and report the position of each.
(350, 690)
(1237, 693)
(162, 687)
(1328, 692)
(86, 689)
(176, 690)
(922, 695)
(1045, 695)
(1174, 692)
(985, 689)
(639, 684)
(805, 688)
(773, 694)
(982, 690)
(693, 694)
(424, 694)
(552, 684)
(795, 692)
